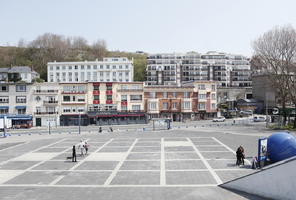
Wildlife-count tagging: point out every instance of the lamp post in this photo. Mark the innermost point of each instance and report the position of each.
(79, 119)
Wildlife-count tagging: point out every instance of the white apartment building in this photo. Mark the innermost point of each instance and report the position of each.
(23, 73)
(111, 69)
(228, 70)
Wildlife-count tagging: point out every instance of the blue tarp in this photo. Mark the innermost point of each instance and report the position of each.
(4, 107)
(17, 117)
(20, 107)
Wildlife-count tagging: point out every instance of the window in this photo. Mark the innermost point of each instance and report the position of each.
(186, 95)
(109, 87)
(64, 76)
(20, 88)
(4, 99)
(107, 66)
(152, 106)
(174, 105)
(165, 95)
(201, 96)
(51, 68)
(201, 87)
(76, 67)
(114, 73)
(4, 88)
(21, 111)
(136, 107)
(120, 66)
(165, 106)
(88, 66)
(21, 99)
(70, 67)
(38, 98)
(95, 76)
(213, 87)
(63, 67)
(82, 76)
(123, 108)
(95, 67)
(67, 110)
(126, 73)
(76, 76)
(124, 98)
(70, 76)
(101, 73)
(201, 106)
(97, 97)
(82, 67)
(80, 109)
(66, 98)
(213, 106)
(114, 66)
(109, 97)
(96, 87)
(126, 67)
(213, 96)
(80, 99)
(101, 67)
(152, 94)
(174, 94)
(136, 97)
(4, 111)
(88, 76)
(186, 105)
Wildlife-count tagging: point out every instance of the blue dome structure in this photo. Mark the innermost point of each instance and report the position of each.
(281, 146)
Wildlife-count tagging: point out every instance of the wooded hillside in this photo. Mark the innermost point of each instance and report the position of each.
(51, 47)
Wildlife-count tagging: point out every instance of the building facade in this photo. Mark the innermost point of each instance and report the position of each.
(173, 69)
(119, 69)
(18, 73)
(191, 101)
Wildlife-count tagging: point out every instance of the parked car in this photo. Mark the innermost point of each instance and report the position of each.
(259, 119)
(219, 119)
(244, 113)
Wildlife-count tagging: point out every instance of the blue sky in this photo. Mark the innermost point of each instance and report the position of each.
(152, 26)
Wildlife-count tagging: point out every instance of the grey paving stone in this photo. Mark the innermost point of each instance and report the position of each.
(136, 178)
(184, 164)
(189, 177)
(174, 155)
(220, 148)
(55, 149)
(230, 175)
(55, 165)
(156, 144)
(84, 178)
(178, 148)
(140, 165)
(114, 149)
(18, 165)
(97, 165)
(222, 164)
(146, 149)
(116, 144)
(149, 140)
(176, 139)
(41, 178)
(143, 156)
(199, 143)
(218, 155)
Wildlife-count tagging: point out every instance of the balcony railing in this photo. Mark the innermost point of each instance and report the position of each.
(46, 91)
(45, 113)
(130, 90)
(50, 102)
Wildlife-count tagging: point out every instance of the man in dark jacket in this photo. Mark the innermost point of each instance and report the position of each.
(74, 154)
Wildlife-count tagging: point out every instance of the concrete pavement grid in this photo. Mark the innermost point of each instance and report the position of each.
(118, 163)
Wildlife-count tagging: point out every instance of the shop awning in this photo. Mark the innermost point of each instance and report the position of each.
(20, 107)
(4, 107)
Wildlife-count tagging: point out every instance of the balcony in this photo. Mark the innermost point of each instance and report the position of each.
(96, 92)
(108, 92)
(115, 113)
(73, 92)
(46, 113)
(45, 91)
(50, 102)
(96, 101)
(73, 102)
(130, 90)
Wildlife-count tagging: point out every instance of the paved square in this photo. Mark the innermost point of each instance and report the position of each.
(121, 162)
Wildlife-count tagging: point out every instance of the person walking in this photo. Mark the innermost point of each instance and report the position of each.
(242, 150)
(86, 146)
(81, 147)
(74, 154)
(238, 156)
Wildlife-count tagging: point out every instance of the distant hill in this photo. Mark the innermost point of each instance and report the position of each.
(37, 57)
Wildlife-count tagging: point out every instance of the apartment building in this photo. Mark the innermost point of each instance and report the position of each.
(116, 103)
(111, 69)
(45, 102)
(195, 100)
(228, 70)
(73, 104)
(15, 103)
(15, 73)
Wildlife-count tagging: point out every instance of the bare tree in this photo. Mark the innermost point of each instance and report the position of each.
(99, 48)
(275, 52)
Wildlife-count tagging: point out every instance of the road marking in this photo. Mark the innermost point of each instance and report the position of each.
(113, 174)
(216, 177)
(227, 147)
(11, 147)
(79, 163)
(108, 186)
